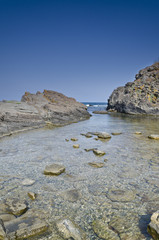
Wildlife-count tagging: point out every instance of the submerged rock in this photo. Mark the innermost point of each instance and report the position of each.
(116, 133)
(28, 182)
(138, 133)
(32, 195)
(25, 227)
(2, 231)
(103, 231)
(102, 135)
(69, 230)
(140, 96)
(96, 164)
(120, 195)
(16, 206)
(153, 227)
(72, 195)
(54, 169)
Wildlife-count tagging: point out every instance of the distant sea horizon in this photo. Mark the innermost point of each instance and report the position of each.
(96, 106)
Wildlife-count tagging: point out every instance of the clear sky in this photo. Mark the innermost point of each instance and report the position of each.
(82, 48)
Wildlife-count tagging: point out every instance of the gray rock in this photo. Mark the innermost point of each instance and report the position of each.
(7, 217)
(69, 230)
(153, 227)
(140, 96)
(54, 169)
(37, 110)
(102, 135)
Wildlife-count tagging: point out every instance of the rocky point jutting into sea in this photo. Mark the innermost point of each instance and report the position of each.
(140, 96)
(90, 180)
(37, 110)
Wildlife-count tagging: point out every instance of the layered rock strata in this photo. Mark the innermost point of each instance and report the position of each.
(36, 110)
(140, 96)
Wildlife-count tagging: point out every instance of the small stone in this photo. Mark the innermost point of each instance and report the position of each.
(69, 230)
(28, 182)
(76, 145)
(98, 152)
(32, 195)
(16, 207)
(67, 140)
(153, 227)
(138, 133)
(103, 135)
(154, 136)
(105, 160)
(88, 135)
(54, 169)
(96, 164)
(74, 139)
(96, 138)
(116, 133)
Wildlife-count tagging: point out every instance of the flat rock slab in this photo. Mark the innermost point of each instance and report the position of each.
(72, 195)
(153, 227)
(96, 164)
(101, 228)
(7, 217)
(120, 195)
(98, 152)
(69, 230)
(16, 206)
(27, 182)
(154, 136)
(102, 135)
(54, 169)
(23, 228)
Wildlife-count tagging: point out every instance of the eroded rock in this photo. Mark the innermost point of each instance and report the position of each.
(54, 169)
(69, 230)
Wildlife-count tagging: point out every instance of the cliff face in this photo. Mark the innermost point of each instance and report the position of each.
(140, 96)
(36, 110)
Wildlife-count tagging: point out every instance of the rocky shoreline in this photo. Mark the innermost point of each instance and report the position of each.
(49, 109)
(140, 96)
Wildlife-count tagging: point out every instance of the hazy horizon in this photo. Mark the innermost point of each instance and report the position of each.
(83, 49)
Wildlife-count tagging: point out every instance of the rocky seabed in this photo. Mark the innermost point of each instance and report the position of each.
(82, 181)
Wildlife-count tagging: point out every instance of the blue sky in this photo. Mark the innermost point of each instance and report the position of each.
(84, 49)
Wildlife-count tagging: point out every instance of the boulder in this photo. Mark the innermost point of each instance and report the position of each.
(153, 227)
(140, 96)
(54, 169)
(69, 230)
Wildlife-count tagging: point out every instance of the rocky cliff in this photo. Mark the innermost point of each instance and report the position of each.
(35, 110)
(140, 96)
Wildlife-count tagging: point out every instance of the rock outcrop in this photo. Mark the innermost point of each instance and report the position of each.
(37, 110)
(140, 96)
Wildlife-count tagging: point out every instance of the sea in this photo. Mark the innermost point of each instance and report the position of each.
(114, 201)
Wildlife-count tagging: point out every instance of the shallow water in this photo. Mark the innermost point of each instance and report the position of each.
(132, 167)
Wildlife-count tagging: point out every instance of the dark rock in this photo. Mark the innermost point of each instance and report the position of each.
(140, 96)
